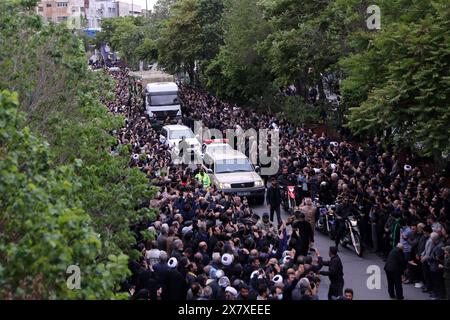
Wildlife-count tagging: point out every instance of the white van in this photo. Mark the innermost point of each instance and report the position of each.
(162, 100)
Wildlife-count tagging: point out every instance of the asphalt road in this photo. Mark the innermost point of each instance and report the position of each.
(355, 270)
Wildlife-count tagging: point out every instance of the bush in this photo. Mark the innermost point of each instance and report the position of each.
(296, 111)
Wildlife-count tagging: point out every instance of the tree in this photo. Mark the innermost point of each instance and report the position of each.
(162, 9)
(401, 82)
(125, 35)
(180, 44)
(60, 98)
(308, 39)
(238, 72)
(210, 15)
(147, 50)
(43, 228)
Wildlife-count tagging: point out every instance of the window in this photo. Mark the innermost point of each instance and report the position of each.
(178, 134)
(164, 100)
(49, 5)
(60, 19)
(40, 9)
(61, 4)
(233, 165)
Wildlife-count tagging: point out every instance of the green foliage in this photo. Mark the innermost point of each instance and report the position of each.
(238, 72)
(180, 44)
(402, 81)
(296, 111)
(60, 101)
(133, 37)
(190, 37)
(148, 235)
(211, 22)
(43, 227)
(147, 50)
(308, 38)
(162, 9)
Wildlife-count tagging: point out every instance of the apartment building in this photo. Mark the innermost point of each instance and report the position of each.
(128, 9)
(92, 11)
(61, 10)
(99, 10)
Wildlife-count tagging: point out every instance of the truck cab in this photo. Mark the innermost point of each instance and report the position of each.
(162, 101)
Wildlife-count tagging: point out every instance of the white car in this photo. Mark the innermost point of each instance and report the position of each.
(171, 135)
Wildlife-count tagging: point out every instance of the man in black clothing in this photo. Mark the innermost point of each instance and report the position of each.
(283, 179)
(274, 200)
(161, 269)
(394, 267)
(176, 288)
(302, 233)
(197, 170)
(343, 210)
(335, 273)
(325, 195)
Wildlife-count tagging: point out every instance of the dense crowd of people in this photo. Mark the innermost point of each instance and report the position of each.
(209, 245)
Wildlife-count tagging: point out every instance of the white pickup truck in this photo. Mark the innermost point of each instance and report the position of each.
(171, 135)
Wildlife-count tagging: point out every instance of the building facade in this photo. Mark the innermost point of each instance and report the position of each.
(99, 10)
(91, 11)
(58, 11)
(128, 9)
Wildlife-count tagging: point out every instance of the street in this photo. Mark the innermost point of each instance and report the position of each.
(355, 269)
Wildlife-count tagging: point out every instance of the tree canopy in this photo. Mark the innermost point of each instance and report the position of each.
(401, 82)
(58, 100)
(44, 228)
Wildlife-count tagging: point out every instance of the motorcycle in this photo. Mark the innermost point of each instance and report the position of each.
(352, 235)
(289, 198)
(325, 222)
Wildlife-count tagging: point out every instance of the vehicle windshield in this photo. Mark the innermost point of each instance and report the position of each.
(164, 100)
(178, 134)
(233, 165)
(219, 148)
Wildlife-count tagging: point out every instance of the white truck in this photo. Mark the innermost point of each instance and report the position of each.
(162, 101)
